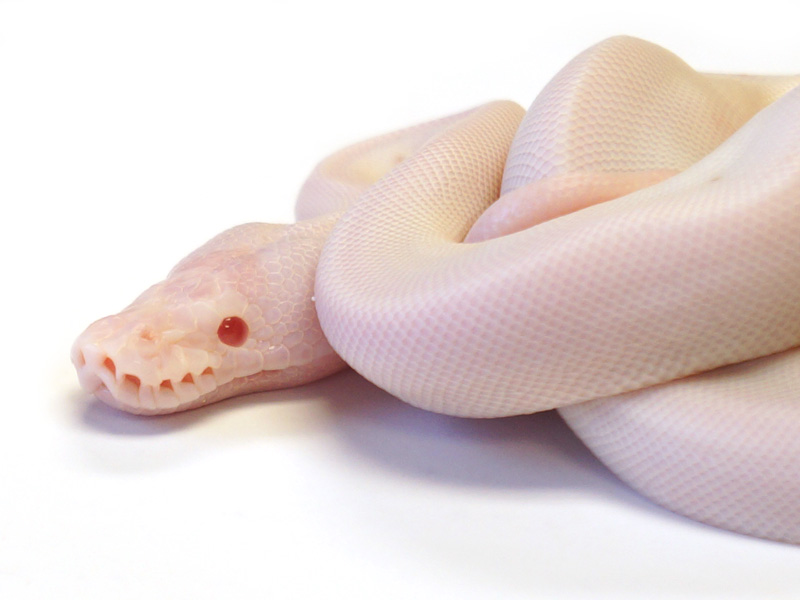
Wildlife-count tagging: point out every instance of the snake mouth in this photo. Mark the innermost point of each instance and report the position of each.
(100, 374)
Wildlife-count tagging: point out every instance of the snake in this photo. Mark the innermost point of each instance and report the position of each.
(626, 251)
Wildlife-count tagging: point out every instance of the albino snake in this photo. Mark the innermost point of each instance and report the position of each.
(640, 271)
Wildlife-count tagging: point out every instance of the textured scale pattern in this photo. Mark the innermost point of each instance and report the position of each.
(628, 105)
(626, 251)
(694, 445)
(614, 310)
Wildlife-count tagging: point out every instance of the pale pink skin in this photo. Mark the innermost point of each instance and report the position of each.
(637, 271)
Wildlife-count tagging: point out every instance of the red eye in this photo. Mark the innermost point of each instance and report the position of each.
(233, 331)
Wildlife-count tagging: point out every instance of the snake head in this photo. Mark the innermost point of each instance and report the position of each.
(235, 316)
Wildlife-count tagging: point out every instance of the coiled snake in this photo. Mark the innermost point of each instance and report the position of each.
(639, 271)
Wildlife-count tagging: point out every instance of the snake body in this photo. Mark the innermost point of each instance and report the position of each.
(626, 251)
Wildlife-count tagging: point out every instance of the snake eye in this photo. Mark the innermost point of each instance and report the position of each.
(233, 331)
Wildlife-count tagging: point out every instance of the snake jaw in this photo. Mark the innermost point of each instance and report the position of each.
(142, 376)
(148, 382)
(162, 352)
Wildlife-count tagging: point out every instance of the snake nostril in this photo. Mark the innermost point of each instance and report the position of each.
(109, 364)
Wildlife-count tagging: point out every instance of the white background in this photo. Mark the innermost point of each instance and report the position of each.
(130, 132)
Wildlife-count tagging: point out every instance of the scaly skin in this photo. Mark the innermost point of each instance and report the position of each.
(645, 281)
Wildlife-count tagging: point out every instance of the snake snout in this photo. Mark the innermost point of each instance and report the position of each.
(128, 377)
